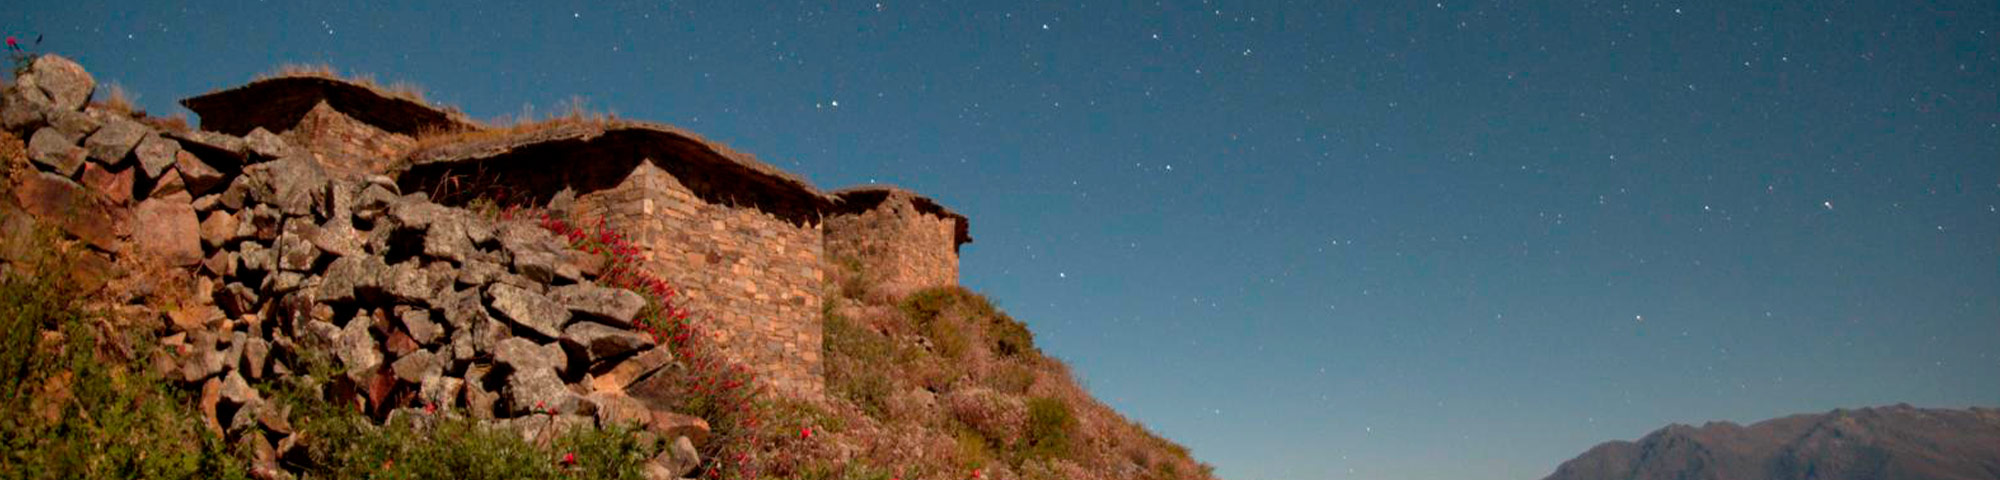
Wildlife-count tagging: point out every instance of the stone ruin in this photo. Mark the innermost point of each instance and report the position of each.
(309, 225)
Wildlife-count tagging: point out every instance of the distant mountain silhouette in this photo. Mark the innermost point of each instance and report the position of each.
(1883, 443)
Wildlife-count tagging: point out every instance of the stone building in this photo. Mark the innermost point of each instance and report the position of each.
(749, 246)
(349, 127)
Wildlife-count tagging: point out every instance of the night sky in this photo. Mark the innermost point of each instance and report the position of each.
(1383, 240)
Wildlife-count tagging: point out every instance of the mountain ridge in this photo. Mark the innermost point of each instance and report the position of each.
(1889, 442)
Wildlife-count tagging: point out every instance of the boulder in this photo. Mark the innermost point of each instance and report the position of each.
(287, 183)
(349, 274)
(196, 174)
(415, 213)
(541, 391)
(528, 309)
(219, 229)
(439, 389)
(111, 142)
(479, 273)
(73, 123)
(255, 352)
(399, 344)
(336, 237)
(599, 342)
(446, 240)
(417, 321)
(73, 208)
(168, 230)
(22, 106)
(668, 424)
(357, 349)
(294, 253)
(65, 83)
(520, 354)
(254, 257)
(115, 186)
(221, 264)
(169, 187)
(156, 154)
(624, 373)
(265, 144)
(202, 359)
(416, 366)
(680, 457)
(614, 408)
(219, 148)
(410, 283)
(55, 151)
(614, 306)
(237, 391)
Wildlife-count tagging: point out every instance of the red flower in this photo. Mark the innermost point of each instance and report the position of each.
(975, 473)
(806, 432)
(430, 408)
(12, 43)
(569, 458)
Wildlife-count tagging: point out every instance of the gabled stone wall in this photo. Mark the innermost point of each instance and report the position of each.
(755, 276)
(895, 245)
(344, 145)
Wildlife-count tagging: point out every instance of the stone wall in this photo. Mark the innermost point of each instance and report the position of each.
(755, 276)
(346, 146)
(894, 244)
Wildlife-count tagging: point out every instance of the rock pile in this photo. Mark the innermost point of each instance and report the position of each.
(421, 309)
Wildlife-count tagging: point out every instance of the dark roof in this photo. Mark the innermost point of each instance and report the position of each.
(278, 103)
(593, 154)
(862, 198)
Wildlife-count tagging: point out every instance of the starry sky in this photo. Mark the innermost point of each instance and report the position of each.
(1312, 240)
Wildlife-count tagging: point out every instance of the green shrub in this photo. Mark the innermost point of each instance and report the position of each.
(1013, 378)
(925, 305)
(855, 356)
(1051, 426)
(1010, 337)
(77, 409)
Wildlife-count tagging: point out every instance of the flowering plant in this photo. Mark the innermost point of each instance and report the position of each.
(22, 58)
(714, 387)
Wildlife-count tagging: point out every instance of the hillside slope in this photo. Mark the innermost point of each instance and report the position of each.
(1887, 443)
(940, 384)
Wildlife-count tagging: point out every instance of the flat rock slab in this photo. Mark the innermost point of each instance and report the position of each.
(156, 154)
(600, 342)
(55, 151)
(114, 140)
(168, 230)
(528, 309)
(75, 209)
(614, 306)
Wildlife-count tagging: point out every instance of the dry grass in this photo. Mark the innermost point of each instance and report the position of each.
(571, 112)
(117, 99)
(399, 89)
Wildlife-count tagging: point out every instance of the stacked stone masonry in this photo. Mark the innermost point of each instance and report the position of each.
(892, 242)
(755, 276)
(749, 247)
(421, 309)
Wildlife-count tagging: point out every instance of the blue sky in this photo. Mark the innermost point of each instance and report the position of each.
(1375, 240)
